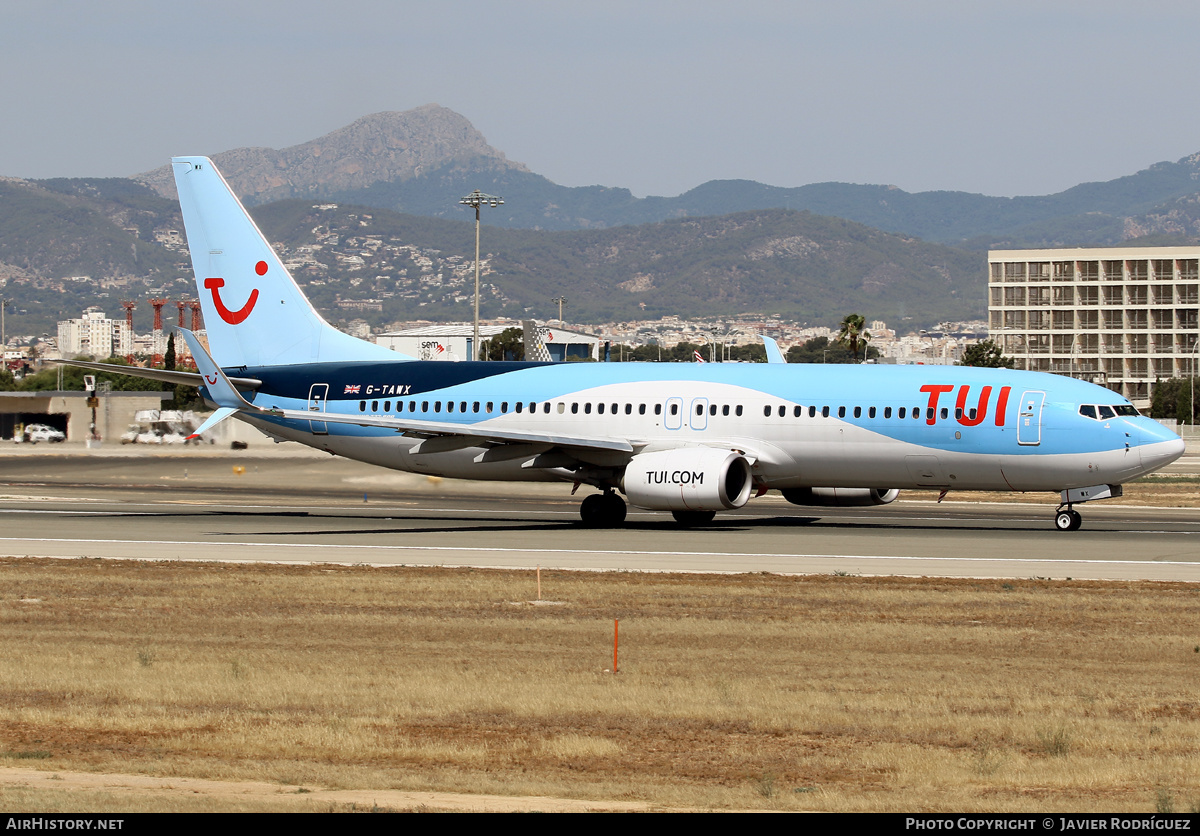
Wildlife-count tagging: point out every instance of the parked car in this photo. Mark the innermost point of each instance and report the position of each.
(40, 432)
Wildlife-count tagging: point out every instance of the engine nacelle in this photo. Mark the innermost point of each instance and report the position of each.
(842, 497)
(688, 479)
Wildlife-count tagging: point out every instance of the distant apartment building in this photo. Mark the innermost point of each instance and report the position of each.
(94, 334)
(1122, 317)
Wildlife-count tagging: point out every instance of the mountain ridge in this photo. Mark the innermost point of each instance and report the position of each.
(422, 160)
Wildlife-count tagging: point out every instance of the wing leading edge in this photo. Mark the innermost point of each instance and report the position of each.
(224, 393)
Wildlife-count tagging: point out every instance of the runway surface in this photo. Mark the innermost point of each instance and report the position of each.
(308, 508)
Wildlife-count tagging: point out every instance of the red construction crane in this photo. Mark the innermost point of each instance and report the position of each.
(158, 304)
(129, 305)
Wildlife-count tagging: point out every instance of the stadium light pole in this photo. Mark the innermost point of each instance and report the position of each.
(561, 300)
(478, 199)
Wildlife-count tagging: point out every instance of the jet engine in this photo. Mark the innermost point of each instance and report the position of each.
(688, 479)
(843, 497)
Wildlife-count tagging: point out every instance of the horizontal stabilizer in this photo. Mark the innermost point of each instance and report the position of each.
(214, 419)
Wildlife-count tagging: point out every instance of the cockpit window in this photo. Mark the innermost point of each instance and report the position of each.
(1103, 412)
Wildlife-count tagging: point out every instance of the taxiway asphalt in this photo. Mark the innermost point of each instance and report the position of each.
(314, 508)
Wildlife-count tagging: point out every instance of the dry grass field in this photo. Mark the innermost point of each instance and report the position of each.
(734, 692)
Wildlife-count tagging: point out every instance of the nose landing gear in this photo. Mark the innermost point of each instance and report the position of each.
(1067, 519)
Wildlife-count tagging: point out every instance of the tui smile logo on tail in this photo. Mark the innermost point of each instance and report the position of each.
(238, 316)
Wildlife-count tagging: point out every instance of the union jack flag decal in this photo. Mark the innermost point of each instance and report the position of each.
(352, 390)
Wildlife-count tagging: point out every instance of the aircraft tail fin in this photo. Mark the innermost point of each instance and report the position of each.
(254, 312)
(535, 343)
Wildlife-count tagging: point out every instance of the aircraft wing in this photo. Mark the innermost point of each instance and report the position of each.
(419, 429)
(222, 390)
(165, 375)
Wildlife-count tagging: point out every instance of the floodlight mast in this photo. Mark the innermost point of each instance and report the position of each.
(478, 199)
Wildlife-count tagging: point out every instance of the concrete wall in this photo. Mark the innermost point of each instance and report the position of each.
(69, 411)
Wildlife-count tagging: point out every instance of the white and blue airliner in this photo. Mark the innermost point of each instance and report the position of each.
(693, 439)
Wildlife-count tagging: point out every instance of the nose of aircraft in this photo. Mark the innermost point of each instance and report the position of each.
(1159, 446)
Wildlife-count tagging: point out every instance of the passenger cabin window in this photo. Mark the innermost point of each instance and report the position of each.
(824, 412)
(841, 412)
(712, 410)
(374, 406)
(503, 407)
(387, 406)
(450, 406)
(641, 409)
(767, 411)
(812, 412)
(887, 412)
(599, 409)
(871, 412)
(587, 408)
(858, 412)
(901, 413)
(797, 411)
(658, 409)
(782, 410)
(574, 409)
(725, 410)
(520, 405)
(362, 406)
(699, 409)
(628, 409)
(738, 410)
(674, 409)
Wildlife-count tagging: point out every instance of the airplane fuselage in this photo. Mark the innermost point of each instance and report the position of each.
(873, 426)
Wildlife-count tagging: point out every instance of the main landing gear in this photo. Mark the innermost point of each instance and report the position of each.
(1067, 519)
(602, 510)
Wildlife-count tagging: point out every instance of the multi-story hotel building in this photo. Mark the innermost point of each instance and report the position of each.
(1122, 317)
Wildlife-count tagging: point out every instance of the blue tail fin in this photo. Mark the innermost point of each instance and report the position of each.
(254, 313)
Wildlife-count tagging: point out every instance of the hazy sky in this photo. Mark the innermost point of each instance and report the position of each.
(1003, 98)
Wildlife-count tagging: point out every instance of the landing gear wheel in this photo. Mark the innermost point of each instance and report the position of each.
(602, 510)
(1068, 520)
(687, 519)
(614, 509)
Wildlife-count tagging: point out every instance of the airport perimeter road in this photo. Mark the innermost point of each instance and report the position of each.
(312, 509)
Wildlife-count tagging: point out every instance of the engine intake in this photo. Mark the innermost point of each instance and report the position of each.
(840, 497)
(688, 479)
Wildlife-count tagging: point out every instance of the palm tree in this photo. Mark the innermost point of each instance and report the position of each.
(854, 333)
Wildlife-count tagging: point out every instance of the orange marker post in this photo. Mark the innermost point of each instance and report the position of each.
(616, 632)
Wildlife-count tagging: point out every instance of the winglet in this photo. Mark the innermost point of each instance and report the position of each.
(220, 390)
(774, 355)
